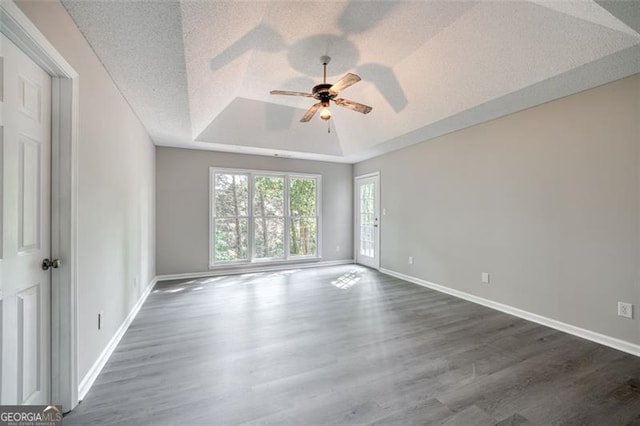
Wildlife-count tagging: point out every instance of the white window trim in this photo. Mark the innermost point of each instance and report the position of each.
(252, 173)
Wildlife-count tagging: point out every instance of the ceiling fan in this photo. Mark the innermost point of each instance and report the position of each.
(325, 93)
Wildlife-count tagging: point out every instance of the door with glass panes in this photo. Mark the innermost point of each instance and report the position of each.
(367, 221)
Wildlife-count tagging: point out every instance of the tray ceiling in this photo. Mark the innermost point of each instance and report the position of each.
(198, 73)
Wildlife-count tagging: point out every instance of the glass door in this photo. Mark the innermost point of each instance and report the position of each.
(367, 220)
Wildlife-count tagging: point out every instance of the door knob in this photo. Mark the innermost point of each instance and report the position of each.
(48, 263)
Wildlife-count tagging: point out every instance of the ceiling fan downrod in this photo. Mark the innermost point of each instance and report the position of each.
(325, 60)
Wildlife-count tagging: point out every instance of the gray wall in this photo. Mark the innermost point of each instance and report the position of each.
(182, 204)
(546, 200)
(116, 190)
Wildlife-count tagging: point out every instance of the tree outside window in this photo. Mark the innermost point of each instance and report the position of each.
(268, 211)
(266, 216)
(231, 216)
(302, 197)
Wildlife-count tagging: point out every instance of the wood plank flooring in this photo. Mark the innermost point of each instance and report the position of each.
(349, 345)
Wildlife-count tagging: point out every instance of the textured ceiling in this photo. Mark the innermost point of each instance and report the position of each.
(198, 73)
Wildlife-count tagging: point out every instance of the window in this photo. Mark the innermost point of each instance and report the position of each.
(231, 221)
(268, 217)
(302, 207)
(263, 216)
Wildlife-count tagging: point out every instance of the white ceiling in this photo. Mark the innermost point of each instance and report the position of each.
(198, 73)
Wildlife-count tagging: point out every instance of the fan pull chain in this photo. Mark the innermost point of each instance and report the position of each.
(328, 126)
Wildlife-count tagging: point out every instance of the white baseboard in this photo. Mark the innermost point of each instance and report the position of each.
(612, 342)
(89, 378)
(252, 269)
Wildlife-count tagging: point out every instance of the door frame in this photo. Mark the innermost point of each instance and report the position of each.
(356, 198)
(15, 25)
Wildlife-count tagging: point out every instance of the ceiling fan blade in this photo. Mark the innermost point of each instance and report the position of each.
(310, 112)
(346, 103)
(288, 93)
(345, 82)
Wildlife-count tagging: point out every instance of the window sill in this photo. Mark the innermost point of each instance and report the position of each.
(260, 264)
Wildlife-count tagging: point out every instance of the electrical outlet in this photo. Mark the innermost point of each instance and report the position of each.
(410, 260)
(100, 319)
(625, 310)
(337, 249)
(485, 278)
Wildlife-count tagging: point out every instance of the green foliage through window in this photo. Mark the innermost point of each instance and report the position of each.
(268, 211)
(280, 222)
(231, 212)
(302, 197)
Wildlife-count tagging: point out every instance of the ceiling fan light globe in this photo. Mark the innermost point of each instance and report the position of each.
(325, 114)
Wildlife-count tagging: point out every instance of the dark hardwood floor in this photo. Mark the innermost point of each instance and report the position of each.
(349, 345)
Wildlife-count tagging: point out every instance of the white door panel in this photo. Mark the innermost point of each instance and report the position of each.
(25, 153)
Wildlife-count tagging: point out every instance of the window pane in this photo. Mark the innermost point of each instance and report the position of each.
(268, 198)
(230, 239)
(302, 194)
(303, 236)
(269, 237)
(231, 195)
(366, 241)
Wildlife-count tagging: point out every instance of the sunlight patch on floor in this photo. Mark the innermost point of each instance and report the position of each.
(285, 272)
(210, 280)
(347, 280)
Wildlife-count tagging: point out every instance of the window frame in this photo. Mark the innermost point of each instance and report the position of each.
(252, 260)
(213, 217)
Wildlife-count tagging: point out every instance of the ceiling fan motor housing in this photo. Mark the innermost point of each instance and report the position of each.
(323, 93)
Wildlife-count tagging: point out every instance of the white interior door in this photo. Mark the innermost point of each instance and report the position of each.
(367, 220)
(25, 154)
